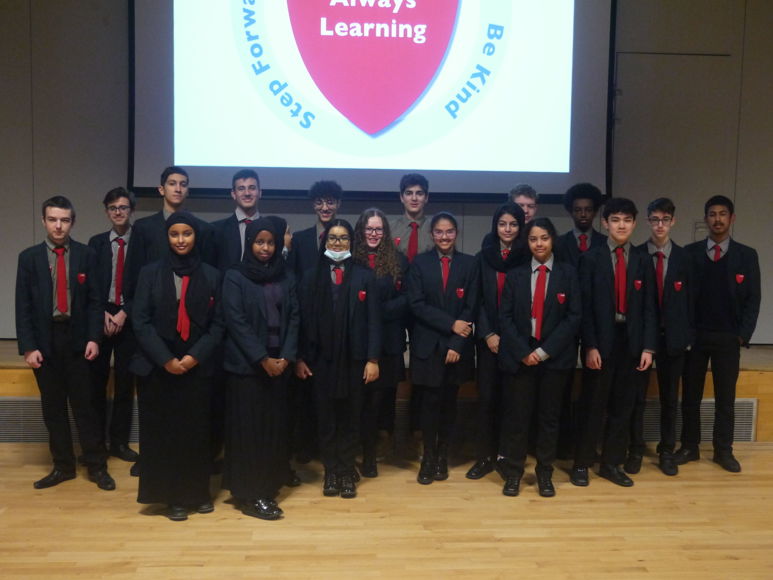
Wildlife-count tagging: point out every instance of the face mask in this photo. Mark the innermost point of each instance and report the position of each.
(338, 256)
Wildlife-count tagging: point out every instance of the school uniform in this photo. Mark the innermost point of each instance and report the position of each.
(536, 389)
(726, 309)
(569, 244)
(61, 337)
(228, 239)
(152, 241)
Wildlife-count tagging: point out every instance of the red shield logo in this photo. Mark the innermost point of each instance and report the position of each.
(460, 292)
(678, 285)
(362, 295)
(561, 297)
(398, 285)
(637, 284)
(81, 278)
(371, 59)
(739, 278)
(397, 241)
(211, 301)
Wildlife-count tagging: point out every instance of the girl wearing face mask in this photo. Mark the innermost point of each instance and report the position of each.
(178, 325)
(340, 346)
(374, 248)
(260, 308)
(442, 289)
(540, 316)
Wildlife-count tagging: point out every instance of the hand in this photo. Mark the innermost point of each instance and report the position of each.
(33, 358)
(593, 359)
(452, 357)
(645, 362)
(492, 342)
(109, 327)
(371, 372)
(173, 367)
(92, 350)
(273, 366)
(188, 362)
(119, 320)
(462, 328)
(531, 359)
(302, 370)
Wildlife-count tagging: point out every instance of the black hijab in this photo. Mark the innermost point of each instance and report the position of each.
(491, 247)
(252, 268)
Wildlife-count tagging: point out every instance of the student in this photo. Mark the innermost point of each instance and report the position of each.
(260, 309)
(525, 197)
(178, 326)
(116, 271)
(59, 318)
(726, 309)
(674, 283)
(228, 233)
(503, 251)
(442, 291)
(582, 202)
(340, 346)
(374, 248)
(411, 230)
(619, 337)
(540, 317)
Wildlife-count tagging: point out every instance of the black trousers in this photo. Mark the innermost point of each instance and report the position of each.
(610, 391)
(122, 347)
(724, 352)
(532, 391)
(438, 415)
(491, 384)
(376, 397)
(64, 376)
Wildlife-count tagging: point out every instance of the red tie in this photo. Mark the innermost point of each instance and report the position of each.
(538, 303)
(247, 221)
(119, 270)
(183, 322)
(413, 242)
(372, 260)
(659, 276)
(445, 264)
(501, 277)
(339, 274)
(61, 281)
(620, 280)
(717, 252)
(583, 242)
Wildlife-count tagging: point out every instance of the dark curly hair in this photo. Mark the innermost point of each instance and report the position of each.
(387, 263)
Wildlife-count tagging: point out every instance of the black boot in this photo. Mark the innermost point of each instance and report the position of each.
(441, 467)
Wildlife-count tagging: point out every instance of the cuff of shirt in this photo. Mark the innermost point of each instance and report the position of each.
(542, 354)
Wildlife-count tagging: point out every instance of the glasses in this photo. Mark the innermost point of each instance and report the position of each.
(338, 239)
(664, 221)
(374, 231)
(320, 203)
(444, 234)
(118, 208)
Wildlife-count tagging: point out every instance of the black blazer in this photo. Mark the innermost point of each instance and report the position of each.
(150, 233)
(743, 264)
(597, 282)
(35, 302)
(568, 251)
(103, 250)
(488, 310)
(560, 319)
(227, 243)
(364, 315)
(434, 310)
(244, 312)
(394, 310)
(153, 350)
(304, 254)
(677, 315)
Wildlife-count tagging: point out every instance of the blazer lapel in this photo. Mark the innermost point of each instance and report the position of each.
(523, 288)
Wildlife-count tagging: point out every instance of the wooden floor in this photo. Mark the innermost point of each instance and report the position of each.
(703, 524)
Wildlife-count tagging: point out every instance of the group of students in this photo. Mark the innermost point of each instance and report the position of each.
(240, 333)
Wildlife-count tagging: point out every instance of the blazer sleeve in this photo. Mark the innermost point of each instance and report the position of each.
(374, 320)
(515, 343)
(95, 305)
(750, 308)
(432, 316)
(203, 348)
(650, 337)
(562, 336)
(470, 307)
(237, 322)
(483, 326)
(25, 311)
(587, 266)
(289, 349)
(152, 345)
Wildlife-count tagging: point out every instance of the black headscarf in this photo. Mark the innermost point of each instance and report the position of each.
(491, 247)
(184, 265)
(252, 268)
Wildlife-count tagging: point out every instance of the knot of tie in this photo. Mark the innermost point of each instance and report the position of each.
(717, 252)
(583, 242)
(505, 253)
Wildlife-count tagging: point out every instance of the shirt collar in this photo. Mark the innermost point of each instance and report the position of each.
(114, 234)
(724, 244)
(652, 249)
(613, 246)
(51, 245)
(536, 263)
(241, 216)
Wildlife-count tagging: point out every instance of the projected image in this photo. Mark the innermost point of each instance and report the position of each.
(453, 85)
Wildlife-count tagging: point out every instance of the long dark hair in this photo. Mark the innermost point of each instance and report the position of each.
(386, 253)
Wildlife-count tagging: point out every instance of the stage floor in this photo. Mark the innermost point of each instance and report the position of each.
(703, 524)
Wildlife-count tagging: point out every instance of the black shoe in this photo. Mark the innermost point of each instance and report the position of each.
(727, 461)
(633, 463)
(331, 487)
(614, 474)
(177, 513)
(348, 487)
(273, 503)
(135, 470)
(667, 464)
(512, 486)
(426, 471)
(441, 465)
(103, 480)
(292, 479)
(262, 509)
(481, 468)
(684, 455)
(579, 476)
(205, 508)
(124, 452)
(369, 468)
(545, 485)
(54, 478)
